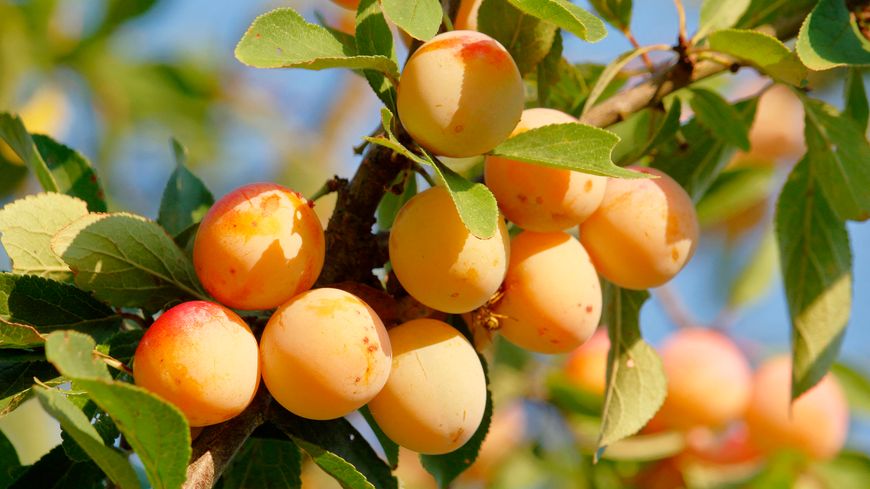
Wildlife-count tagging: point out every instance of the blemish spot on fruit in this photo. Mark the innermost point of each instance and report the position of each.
(372, 348)
(629, 363)
(454, 295)
(589, 309)
(366, 340)
(522, 198)
(587, 186)
(270, 204)
(539, 200)
(675, 254)
(458, 128)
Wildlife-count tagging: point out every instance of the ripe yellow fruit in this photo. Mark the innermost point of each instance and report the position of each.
(476, 102)
(438, 261)
(643, 233)
(709, 379)
(816, 423)
(586, 367)
(258, 246)
(538, 198)
(466, 16)
(325, 354)
(552, 296)
(202, 358)
(435, 397)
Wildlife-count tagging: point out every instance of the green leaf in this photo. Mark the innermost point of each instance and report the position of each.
(636, 384)
(761, 12)
(565, 394)
(612, 70)
(548, 70)
(10, 467)
(374, 37)
(644, 131)
(56, 471)
(838, 151)
(447, 467)
(74, 174)
(856, 385)
(264, 463)
(17, 370)
(16, 136)
(421, 19)
(696, 160)
(720, 117)
(474, 202)
(392, 201)
(756, 278)
(12, 173)
(16, 335)
(156, 430)
(566, 15)
(283, 39)
(185, 198)
(719, 14)
(27, 226)
(391, 448)
(848, 469)
(78, 426)
(829, 38)
(571, 146)
(527, 38)
(763, 51)
(127, 261)
(616, 12)
(733, 192)
(816, 268)
(856, 99)
(338, 449)
(49, 305)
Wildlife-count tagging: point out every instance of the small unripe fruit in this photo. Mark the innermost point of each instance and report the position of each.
(325, 354)
(466, 16)
(438, 261)
(538, 198)
(815, 424)
(434, 399)
(643, 233)
(709, 379)
(258, 246)
(586, 367)
(476, 102)
(552, 296)
(202, 358)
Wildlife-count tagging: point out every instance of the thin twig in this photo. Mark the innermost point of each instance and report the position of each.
(645, 56)
(141, 321)
(423, 173)
(334, 184)
(113, 362)
(681, 13)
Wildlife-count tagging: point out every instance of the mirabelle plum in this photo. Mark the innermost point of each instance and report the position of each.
(438, 261)
(644, 232)
(258, 246)
(712, 447)
(434, 399)
(325, 354)
(709, 379)
(538, 198)
(777, 132)
(202, 358)
(351, 4)
(552, 296)
(476, 102)
(466, 16)
(816, 423)
(586, 367)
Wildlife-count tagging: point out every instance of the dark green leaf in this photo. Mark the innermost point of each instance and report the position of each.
(566, 15)
(856, 99)
(49, 305)
(56, 471)
(10, 468)
(374, 37)
(719, 14)
(391, 448)
(856, 385)
(720, 117)
(17, 370)
(283, 39)
(838, 151)
(12, 173)
(27, 226)
(577, 147)
(829, 38)
(763, 51)
(817, 273)
(616, 12)
(13, 132)
(185, 198)
(548, 73)
(78, 426)
(527, 38)
(264, 463)
(447, 467)
(156, 430)
(761, 12)
(73, 173)
(392, 201)
(127, 261)
(419, 18)
(636, 384)
(17, 335)
(338, 449)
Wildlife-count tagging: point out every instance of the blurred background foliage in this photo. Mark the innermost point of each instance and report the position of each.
(116, 79)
